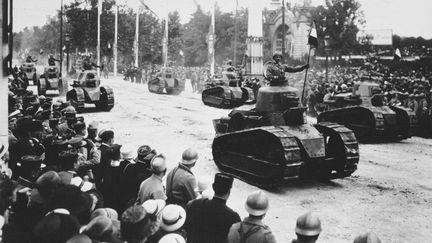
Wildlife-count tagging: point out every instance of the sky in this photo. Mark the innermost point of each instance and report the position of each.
(404, 17)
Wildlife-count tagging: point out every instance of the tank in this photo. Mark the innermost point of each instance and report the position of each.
(363, 111)
(268, 143)
(167, 81)
(87, 89)
(30, 77)
(225, 91)
(49, 80)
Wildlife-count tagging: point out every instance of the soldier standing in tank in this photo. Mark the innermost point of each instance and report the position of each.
(30, 59)
(87, 64)
(52, 60)
(276, 70)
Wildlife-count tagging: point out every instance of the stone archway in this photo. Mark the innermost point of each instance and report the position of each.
(277, 40)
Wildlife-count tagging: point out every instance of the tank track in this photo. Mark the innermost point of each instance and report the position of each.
(110, 97)
(347, 158)
(211, 97)
(154, 86)
(373, 129)
(411, 119)
(267, 169)
(79, 100)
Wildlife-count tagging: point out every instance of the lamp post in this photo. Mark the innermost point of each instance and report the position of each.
(326, 50)
(67, 40)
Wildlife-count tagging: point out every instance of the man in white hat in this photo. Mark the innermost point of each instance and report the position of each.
(181, 182)
(173, 219)
(252, 229)
(152, 188)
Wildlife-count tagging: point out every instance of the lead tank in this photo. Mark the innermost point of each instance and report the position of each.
(363, 111)
(270, 142)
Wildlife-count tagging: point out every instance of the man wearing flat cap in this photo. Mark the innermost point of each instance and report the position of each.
(181, 182)
(209, 221)
(135, 173)
(152, 188)
(102, 171)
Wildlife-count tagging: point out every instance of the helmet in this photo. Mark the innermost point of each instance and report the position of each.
(369, 237)
(189, 156)
(308, 224)
(275, 54)
(70, 109)
(257, 203)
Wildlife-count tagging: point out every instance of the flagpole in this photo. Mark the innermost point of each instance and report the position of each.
(212, 64)
(115, 38)
(98, 35)
(165, 47)
(304, 84)
(61, 37)
(136, 36)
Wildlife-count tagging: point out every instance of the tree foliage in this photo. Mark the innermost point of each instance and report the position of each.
(195, 36)
(340, 19)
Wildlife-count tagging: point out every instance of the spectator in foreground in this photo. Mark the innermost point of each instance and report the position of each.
(308, 228)
(181, 182)
(152, 188)
(369, 237)
(252, 229)
(208, 221)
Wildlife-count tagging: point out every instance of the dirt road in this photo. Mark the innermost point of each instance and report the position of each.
(390, 193)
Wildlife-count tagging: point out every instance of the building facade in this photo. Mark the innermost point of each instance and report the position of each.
(297, 24)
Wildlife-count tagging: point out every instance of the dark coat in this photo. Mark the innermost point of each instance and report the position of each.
(131, 177)
(102, 172)
(208, 221)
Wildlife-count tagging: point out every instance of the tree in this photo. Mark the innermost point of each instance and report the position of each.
(195, 38)
(196, 31)
(340, 19)
(175, 42)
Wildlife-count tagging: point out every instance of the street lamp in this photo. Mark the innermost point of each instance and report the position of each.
(67, 40)
(326, 50)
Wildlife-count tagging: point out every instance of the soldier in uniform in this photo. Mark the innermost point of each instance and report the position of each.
(252, 229)
(52, 60)
(30, 59)
(422, 114)
(87, 64)
(275, 72)
(308, 228)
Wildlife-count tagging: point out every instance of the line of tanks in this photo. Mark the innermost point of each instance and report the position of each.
(85, 89)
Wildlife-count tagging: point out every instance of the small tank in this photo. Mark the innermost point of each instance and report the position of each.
(49, 80)
(166, 80)
(225, 91)
(29, 68)
(363, 111)
(87, 89)
(268, 143)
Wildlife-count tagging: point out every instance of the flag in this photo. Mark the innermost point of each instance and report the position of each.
(100, 7)
(313, 38)
(397, 55)
(64, 48)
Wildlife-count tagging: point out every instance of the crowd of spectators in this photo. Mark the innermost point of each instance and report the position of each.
(66, 180)
(410, 88)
